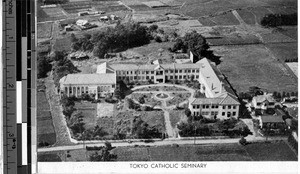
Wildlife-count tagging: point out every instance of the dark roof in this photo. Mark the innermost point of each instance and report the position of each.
(271, 119)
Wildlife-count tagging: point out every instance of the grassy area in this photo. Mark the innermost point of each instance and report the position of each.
(45, 129)
(89, 112)
(49, 157)
(176, 116)
(62, 44)
(253, 65)
(178, 98)
(225, 19)
(44, 30)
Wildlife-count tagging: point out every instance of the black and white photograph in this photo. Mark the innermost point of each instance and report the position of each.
(167, 81)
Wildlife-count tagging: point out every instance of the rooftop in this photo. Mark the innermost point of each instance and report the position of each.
(271, 119)
(265, 97)
(74, 79)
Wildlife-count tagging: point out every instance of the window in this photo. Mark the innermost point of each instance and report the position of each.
(224, 107)
(152, 72)
(184, 76)
(194, 106)
(127, 72)
(188, 71)
(180, 71)
(176, 77)
(171, 77)
(207, 106)
(130, 77)
(258, 103)
(147, 72)
(171, 71)
(212, 106)
(229, 106)
(134, 77)
(233, 107)
(271, 103)
(228, 114)
(147, 77)
(197, 76)
(193, 70)
(212, 113)
(152, 77)
(176, 71)
(166, 71)
(223, 113)
(86, 89)
(180, 77)
(197, 70)
(113, 86)
(198, 106)
(217, 106)
(233, 113)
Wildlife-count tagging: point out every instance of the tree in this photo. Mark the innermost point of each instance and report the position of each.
(118, 93)
(76, 123)
(43, 67)
(104, 154)
(142, 100)
(153, 28)
(187, 112)
(73, 38)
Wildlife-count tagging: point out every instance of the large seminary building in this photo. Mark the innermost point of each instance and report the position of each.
(218, 98)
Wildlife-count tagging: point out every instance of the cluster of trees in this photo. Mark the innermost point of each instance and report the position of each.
(84, 43)
(43, 66)
(104, 154)
(291, 60)
(119, 38)
(140, 129)
(210, 127)
(62, 66)
(195, 43)
(274, 20)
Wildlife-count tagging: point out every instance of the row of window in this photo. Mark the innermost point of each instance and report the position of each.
(86, 89)
(212, 106)
(214, 113)
(180, 77)
(160, 72)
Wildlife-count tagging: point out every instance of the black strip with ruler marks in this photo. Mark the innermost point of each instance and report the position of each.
(9, 88)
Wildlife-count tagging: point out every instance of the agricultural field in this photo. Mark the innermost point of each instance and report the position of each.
(45, 129)
(275, 151)
(254, 65)
(44, 30)
(62, 44)
(284, 51)
(294, 67)
(50, 14)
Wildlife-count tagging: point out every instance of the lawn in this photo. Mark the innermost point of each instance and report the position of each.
(176, 116)
(62, 44)
(253, 65)
(178, 98)
(105, 109)
(89, 112)
(44, 30)
(45, 129)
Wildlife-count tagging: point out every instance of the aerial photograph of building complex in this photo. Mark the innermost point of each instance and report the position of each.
(167, 80)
